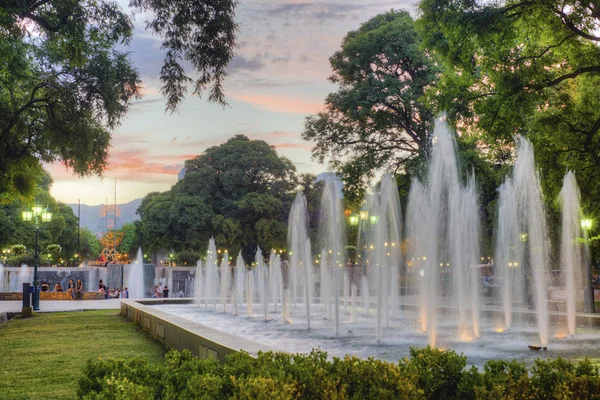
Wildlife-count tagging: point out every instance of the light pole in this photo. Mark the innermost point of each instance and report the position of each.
(38, 215)
(588, 295)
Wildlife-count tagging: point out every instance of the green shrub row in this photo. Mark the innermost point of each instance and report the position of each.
(426, 374)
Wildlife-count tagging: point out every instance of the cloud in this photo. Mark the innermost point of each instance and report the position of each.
(273, 135)
(297, 146)
(241, 63)
(320, 12)
(281, 104)
(133, 165)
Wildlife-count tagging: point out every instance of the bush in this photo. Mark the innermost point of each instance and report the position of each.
(426, 374)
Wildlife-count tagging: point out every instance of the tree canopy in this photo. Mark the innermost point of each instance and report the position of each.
(66, 80)
(239, 192)
(528, 68)
(376, 120)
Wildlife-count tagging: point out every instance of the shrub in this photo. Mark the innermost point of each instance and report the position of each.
(426, 374)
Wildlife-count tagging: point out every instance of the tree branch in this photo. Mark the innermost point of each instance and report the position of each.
(574, 74)
(571, 26)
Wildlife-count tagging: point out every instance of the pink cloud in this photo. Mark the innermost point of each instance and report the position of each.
(134, 165)
(281, 104)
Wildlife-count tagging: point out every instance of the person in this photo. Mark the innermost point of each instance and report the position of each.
(71, 289)
(115, 294)
(125, 294)
(58, 287)
(155, 295)
(79, 289)
(102, 288)
(45, 287)
(165, 292)
(161, 288)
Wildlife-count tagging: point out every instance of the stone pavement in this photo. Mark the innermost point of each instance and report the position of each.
(63, 305)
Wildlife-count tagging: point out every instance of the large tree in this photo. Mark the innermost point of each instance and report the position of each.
(528, 68)
(66, 80)
(239, 192)
(376, 121)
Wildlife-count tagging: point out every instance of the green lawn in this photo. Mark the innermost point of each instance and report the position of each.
(42, 357)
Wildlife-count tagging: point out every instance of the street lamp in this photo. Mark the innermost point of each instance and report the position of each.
(374, 219)
(364, 215)
(588, 298)
(586, 224)
(353, 219)
(37, 215)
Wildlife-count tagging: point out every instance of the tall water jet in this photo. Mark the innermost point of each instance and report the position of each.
(1, 277)
(324, 288)
(386, 255)
(297, 239)
(332, 233)
(211, 276)
(571, 252)
(249, 291)
(364, 291)
(199, 281)
(225, 282)
(443, 227)
(275, 280)
(240, 279)
(263, 282)
(532, 218)
(308, 283)
(509, 251)
(135, 283)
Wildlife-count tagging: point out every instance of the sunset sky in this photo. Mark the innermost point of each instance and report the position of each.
(278, 77)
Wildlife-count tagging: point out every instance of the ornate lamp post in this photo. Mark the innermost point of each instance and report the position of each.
(37, 215)
(588, 295)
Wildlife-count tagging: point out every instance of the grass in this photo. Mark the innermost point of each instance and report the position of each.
(43, 356)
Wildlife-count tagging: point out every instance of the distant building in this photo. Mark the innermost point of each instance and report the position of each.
(181, 174)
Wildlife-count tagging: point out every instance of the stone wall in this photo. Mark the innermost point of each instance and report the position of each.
(178, 333)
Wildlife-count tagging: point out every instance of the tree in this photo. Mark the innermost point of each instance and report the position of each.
(239, 193)
(62, 230)
(65, 81)
(376, 121)
(528, 68)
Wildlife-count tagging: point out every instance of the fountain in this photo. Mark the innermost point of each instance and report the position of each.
(211, 277)
(443, 223)
(300, 254)
(1, 277)
(448, 299)
(198, 282)
(135, 281)
(332, 234)
(571, 252)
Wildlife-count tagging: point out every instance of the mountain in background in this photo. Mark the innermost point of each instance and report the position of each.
(98, 218)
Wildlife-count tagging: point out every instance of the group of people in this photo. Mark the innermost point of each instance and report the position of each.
(112, 294)
(160, 291)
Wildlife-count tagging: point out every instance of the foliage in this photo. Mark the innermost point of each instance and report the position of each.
(60, 231)
(66, 78)
(239, 193)
(527, 68)
(376, 121)
(427, 374)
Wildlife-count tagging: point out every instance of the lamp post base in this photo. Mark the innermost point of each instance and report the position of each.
(26, 312)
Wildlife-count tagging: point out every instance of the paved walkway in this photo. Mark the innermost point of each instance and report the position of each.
(64, 305)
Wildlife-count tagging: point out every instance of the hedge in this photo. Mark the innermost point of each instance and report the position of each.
(426, 374)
